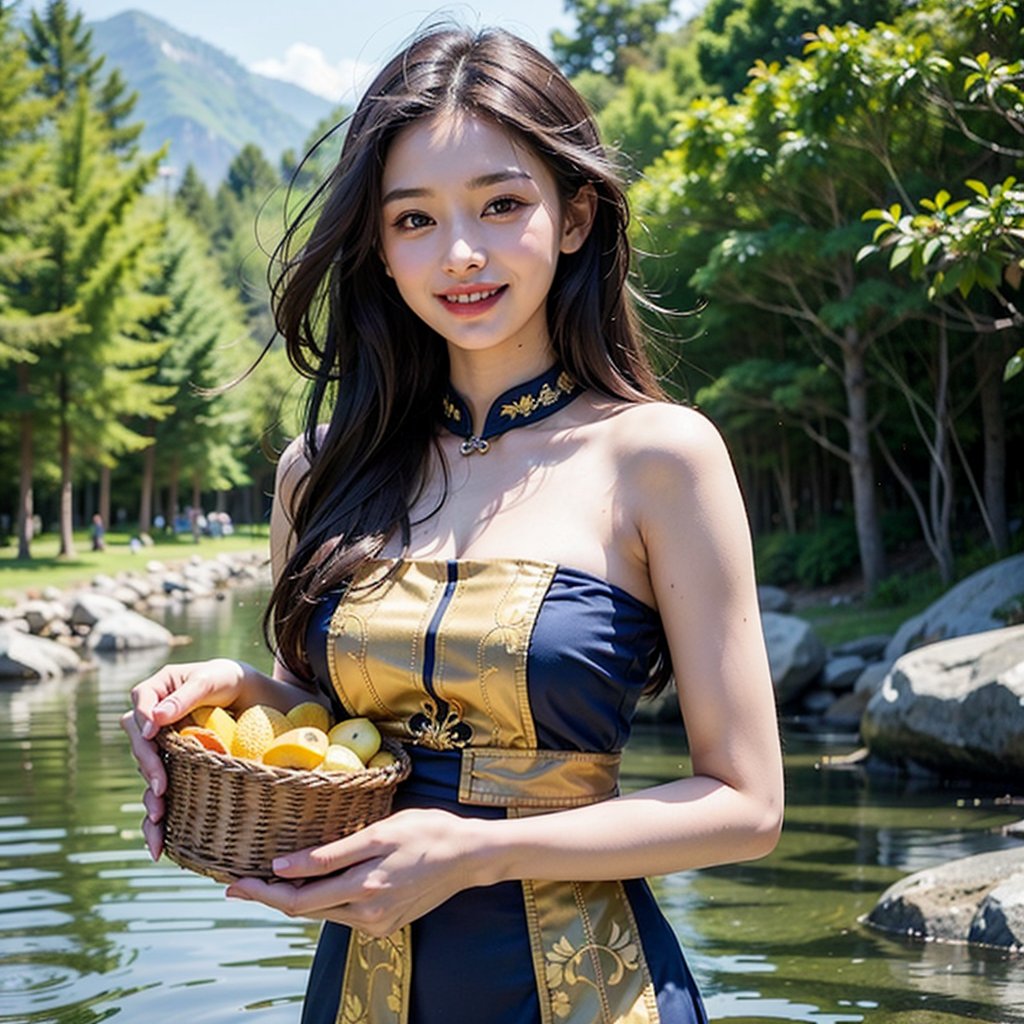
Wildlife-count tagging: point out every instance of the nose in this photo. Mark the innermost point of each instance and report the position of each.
(463, 256)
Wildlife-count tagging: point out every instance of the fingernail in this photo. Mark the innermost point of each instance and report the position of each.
(281, 864)
(235, 894)
(165, 706)
(155, 786)
(149, 730)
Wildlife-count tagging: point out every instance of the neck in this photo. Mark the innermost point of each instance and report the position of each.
(479, 377)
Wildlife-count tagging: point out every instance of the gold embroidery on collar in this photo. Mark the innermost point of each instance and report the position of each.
(451, 410)
(528, 404)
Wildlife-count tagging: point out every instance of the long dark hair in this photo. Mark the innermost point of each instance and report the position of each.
(373, 363)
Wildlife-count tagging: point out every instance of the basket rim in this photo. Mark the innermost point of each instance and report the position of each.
(172, 743)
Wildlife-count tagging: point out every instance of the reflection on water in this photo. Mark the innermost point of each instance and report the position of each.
(91, 929)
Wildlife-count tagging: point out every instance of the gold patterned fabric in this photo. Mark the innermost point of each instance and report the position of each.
(438, 654)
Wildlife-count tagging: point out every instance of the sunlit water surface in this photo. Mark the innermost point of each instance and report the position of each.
(91, 929)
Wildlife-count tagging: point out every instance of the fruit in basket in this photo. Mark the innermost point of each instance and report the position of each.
(217, 719)
(359, 735)
(257, 727)
(205, 738)
(303, 748)
(341, 759)
(312, 714)
(382, 759)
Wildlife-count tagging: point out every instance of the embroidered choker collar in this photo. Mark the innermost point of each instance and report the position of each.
(519, 406)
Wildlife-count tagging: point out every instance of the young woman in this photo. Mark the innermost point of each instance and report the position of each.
(502, 537)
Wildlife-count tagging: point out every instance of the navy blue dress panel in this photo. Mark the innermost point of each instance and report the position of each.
(591, 654)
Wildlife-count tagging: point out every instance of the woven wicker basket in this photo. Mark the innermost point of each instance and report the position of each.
(229, 818)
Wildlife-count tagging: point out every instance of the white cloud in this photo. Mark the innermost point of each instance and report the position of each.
(309, 67)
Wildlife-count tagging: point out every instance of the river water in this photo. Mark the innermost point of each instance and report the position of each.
(91, 929)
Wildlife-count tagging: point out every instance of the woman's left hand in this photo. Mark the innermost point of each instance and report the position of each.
(378, 879)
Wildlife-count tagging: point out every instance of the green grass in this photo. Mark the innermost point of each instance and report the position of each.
(45, 568)
(839, 624)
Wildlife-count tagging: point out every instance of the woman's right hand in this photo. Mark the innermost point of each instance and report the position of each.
(166, 697)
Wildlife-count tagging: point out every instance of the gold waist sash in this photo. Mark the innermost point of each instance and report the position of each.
(502, 777)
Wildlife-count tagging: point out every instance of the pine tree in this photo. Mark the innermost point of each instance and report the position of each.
(96, 245)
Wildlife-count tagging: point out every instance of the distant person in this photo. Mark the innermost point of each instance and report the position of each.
(99, 533)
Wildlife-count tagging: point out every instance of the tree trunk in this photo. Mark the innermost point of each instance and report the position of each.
(862, 472)
(104, 502)
(26, 510)
(989, 359)
(941, 473)
(67, 536)
(174, 476)
(146, 487)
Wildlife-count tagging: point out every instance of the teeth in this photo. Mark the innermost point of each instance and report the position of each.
(471, 297)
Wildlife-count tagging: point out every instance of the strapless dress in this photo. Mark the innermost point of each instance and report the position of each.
(513, 684)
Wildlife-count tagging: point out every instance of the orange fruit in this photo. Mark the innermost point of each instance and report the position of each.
(257, 727)
(304, 747)
(310, 713)
(217, 719)
(204, 737)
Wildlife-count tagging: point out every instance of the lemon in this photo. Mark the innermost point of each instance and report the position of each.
(304, 747)
(341, 759)
(218, 720)
(257, 727)
(310, 713)
(382, 759)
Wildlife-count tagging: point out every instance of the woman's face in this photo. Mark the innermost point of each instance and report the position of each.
(472, 230)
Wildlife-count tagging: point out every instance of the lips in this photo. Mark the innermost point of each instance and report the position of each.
(468, 301)
(471, 298)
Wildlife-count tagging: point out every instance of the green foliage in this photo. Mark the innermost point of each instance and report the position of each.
(775, 557)
(610, 35)
(827, 555)
(736, 34)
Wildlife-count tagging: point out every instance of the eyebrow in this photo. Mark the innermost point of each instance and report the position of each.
(481, 181)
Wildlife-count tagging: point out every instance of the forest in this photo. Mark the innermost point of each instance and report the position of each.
(830, 239)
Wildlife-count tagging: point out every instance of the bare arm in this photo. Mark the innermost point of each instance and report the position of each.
(692, 525)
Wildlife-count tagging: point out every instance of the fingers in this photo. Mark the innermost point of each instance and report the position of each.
(154, 836)
(315, 861)
(147, 757)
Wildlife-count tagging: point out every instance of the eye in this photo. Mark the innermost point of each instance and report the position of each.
(503, 205)
(413, 221)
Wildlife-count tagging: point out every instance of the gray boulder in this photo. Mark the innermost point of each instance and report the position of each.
(773, 599)
(41, 614)
(842, 672)
(795, 654)
(89, 607)
(23, 656)
(977, 899)
(955, 708)
(870, 648)
(969, 607)
(128, 631)
(871, 679)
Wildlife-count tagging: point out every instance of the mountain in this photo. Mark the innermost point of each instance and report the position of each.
(200, 99)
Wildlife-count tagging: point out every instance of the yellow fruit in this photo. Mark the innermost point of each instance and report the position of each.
(382, 759)
(341, 759)
(310, 713)
(304, 747)
(257, 727)
(204, 737)
(358, 734)
(218, 720)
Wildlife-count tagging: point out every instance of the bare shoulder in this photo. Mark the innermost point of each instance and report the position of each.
(294, 462)
(658, 443)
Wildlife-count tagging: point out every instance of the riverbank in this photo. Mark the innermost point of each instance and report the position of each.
(21, 579)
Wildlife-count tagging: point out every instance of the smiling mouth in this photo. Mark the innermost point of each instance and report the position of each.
(471, 298)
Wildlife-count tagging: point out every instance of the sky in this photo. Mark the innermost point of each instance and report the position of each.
(327, 47)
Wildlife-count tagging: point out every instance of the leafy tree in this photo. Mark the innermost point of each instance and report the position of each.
(610, 35)
(95, 247)
(194, 200)
(736, 34)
